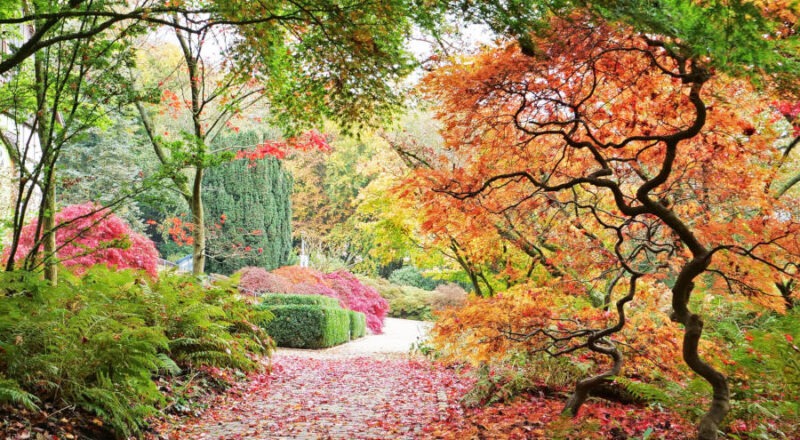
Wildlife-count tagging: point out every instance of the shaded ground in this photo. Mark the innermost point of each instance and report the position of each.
(366, 389)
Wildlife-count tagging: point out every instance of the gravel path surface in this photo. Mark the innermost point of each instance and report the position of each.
(367, 389)
(398, 338)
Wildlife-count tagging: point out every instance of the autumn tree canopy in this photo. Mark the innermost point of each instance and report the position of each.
(627, 159)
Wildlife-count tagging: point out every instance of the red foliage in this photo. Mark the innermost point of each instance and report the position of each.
(790, 111)
(315, 289)
(356, 296)
(297, 275)
(311, 140)
(180, 231)
(346, 398)
(310, 396)
(533, 417)
(257, 280)
(88, 234)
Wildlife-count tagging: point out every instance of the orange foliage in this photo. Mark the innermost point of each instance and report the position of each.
(536, 142)
(487, 329)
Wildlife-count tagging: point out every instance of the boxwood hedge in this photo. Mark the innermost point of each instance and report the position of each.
(308, 325)
(277, 299)
(358, 324)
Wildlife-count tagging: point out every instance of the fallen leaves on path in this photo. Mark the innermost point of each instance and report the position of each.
(311, 398)
(345, 398)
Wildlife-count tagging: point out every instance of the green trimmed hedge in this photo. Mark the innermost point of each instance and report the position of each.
(358, 324)
(280, 299)
(308, 326)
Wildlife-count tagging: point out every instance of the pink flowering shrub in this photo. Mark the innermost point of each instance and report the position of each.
(258, 280)
(88, 234)
(344, 286)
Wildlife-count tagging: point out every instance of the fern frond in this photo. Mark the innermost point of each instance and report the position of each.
(643, 391)
(10, 392)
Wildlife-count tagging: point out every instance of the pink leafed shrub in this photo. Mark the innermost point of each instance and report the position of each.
(359, 297)
(258, 280)
(88, 234)
(341, 285)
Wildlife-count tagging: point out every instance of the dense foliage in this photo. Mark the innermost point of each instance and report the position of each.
(284, 299)
(99, 340)
(342, 285)
(414, 303)
(411, 276)
(629, 173)
(358, 324)
(308, 325)
(248, 214)
(87, 235)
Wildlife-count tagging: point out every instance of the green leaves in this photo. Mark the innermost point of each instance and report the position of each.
(341, 60)
(96, 342)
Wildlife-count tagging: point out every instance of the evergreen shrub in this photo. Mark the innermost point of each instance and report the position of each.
(405, 302)
(284, 299)
(248, 211)
(308, 326)
(342, 285)
(358, 324)
(411, 276)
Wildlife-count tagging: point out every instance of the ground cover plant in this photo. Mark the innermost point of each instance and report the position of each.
(100, 340)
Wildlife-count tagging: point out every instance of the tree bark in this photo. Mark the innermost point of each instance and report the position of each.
(708, 427)
(584, 387)
(198, 218)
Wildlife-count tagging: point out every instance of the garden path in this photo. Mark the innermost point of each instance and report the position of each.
(367, 389)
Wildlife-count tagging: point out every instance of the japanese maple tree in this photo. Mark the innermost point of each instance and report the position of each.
(652, 168)
(87, 235)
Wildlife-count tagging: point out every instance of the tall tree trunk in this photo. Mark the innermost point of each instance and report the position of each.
(196, 203)
(198, 218)
(49, 228)
(47, 207)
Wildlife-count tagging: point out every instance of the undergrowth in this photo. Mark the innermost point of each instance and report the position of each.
(100, 341)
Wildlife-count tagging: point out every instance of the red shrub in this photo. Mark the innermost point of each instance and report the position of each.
(315, 289)
(88, 234)
(361, 298)
(297, 274)
(258, 280)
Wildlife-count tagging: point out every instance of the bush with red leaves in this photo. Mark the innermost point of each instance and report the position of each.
(256, 280)
(359, 297)
(87, 234)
